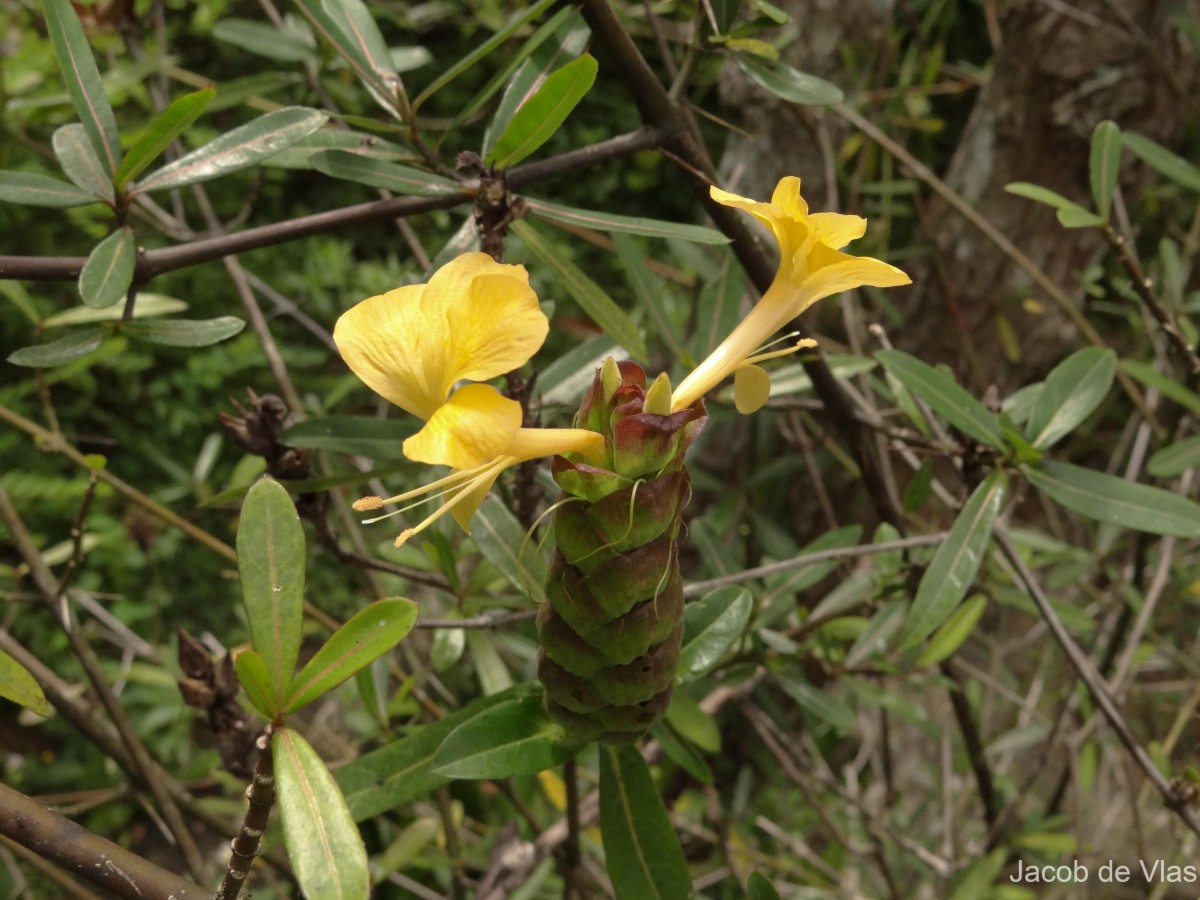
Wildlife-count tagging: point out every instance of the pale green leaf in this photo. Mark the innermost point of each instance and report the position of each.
(790, 84)
(367, 635)
(271, 554)
(1104, 164)
(108, 272)
(542, 114)
(954, 565)
(1167, 163)
(159, 134)
(79, 161)
(944, 396)
(362, 435)
(516, 737)
(17, 685)
(147, 305)
(185, 332)
(255, 680)
(365, 169)
(611, 222)
(31, 189)
(325, 849)
(1071, 392)
(67, 348)
(712, 626)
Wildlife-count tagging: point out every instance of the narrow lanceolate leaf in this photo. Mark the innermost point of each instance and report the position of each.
(244, 146)
(79, 161)
(30, 189)
(1115, 501)
(83, 81)
(1070, 214)
(956, 561)
(648, 291)
(589, 295)
(712, 625)
(956, 629)
(823, 705)
(399, 771)
(147, 305)
(66, 349)
(1167, 163)
(349, 27)
(159, 134)
(256, 682)
(108, 272)
(363, 435)
(1176, 458)
(185, 332)
(261, 39)
(759, 887)
(1072, 391)
(369, 634)
(1104, 163)
(270, 547)
(535, 122)
(790, 84)
(502, 541)
(1167, 386)
(324, 847)
(379, 173)
(944, 396)
(655, 228)
(516, 737)
(641, 851)
(17, 685)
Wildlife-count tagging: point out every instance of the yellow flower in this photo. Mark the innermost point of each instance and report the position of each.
(476, 319)
(812, 266)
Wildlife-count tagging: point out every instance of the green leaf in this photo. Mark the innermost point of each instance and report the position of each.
(542, 114)
(256, 681)
(67, 348)
(347, 24)
(589, 295)
(266, 40)
(956, 629)
(712, 625)
(527, 69)
(31, 189)
(944, 396)
(1115, 501)
(270, 550)
(1071, 392)
(109, 269)
(147, 305)
(1176, 458)
(363, 435)
(324, 847)
(363, 169)
(519, 20)
(790, 84)
(1070, 214)
(1104, 164)
(516, 737)
(654, 228)
(83, 81)
(759, 887)
(1167, 163)
(79, 161)
(381, 780)
(1166, 385)
(717, 310)
(369, 634)
(825, 706)
(875, 638)
(641, 851)
(17, 685)
(956, 561)
(185, 332)
(508, 546)
(693, 723)
(159, 134)
(681, 752)
(237, 149)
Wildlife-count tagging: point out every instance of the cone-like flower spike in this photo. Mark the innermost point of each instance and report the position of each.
(812, 266)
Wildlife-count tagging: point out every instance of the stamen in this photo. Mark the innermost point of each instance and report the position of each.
(484, 472)
(786, 351)
(367, 504)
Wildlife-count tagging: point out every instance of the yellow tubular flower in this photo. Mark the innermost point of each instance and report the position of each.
(475, 319)
(812, 266)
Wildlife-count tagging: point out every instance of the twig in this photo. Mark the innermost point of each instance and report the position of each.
(91, 857)
(148, 772)
(807, 559)
(1094, 683)
(261, 795)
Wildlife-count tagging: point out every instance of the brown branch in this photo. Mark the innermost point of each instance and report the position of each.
(261, 795)
(146, 771)
(168, 259)
(91, 857)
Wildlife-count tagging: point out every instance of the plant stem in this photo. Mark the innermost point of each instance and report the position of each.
(261, 795)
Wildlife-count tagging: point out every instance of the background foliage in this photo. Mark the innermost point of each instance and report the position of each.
(902, 722)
